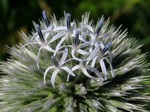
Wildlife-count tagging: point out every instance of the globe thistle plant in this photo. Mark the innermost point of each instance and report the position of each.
(73, 66)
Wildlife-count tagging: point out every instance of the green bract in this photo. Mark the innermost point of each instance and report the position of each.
(69, 66)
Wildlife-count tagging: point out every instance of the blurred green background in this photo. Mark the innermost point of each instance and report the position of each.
(17, 15)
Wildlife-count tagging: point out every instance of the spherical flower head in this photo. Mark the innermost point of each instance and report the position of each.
(74, 67)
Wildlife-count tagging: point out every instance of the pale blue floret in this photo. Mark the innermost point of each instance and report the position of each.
(40, 40)
(83, 67)
(57, 67)
(87, 52)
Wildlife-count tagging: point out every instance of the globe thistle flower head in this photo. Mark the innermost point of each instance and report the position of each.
(71, 66)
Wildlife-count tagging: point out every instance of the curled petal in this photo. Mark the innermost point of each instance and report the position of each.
(94, 70)
(80, 51)
(93, 54)
(53, 77)
(57, 36)
(39, 52)
(59, 28)
(68, 70)
(74, 57)
(87, 74)
(59, 45)
(82, 38)
(64, 56)
(82, 70)
(84, 45)
(75, 67)
(49, 48)
(111, 68)
(37, 58)
(93, 39)
(47, 32)
(94, 61)
(89, 28)
(103, 67)
(46, 71)
(68, 77)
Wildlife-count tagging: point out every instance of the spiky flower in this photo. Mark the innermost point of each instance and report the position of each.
(72, 66)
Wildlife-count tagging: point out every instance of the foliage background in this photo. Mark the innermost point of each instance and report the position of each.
(17, 15)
